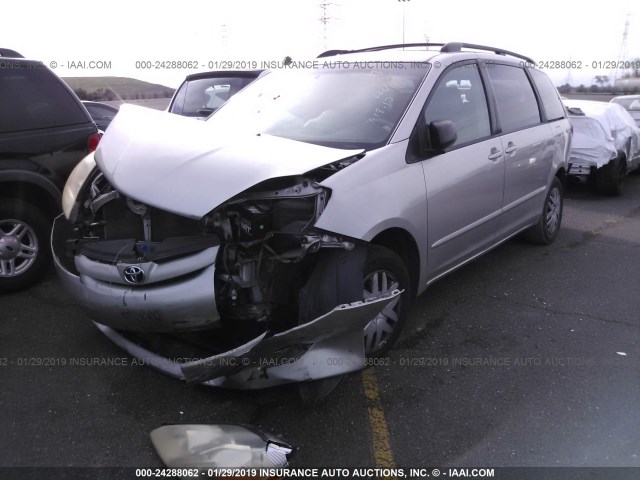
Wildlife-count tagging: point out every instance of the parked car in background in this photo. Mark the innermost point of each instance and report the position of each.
(631, 104)
(101, 113)
(44, 132)
(201, 94)
(284, 238)
(606, 144)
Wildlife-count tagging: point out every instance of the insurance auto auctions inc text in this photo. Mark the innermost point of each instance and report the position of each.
(371, 473)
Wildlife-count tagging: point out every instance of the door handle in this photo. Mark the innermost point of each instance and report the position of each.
(495, 154)
(510, 148)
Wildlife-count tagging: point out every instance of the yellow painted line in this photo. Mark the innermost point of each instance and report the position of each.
(380, 440)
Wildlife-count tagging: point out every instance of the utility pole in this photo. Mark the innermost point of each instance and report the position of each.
(324, 19)
(623, 54)
(404, 3)
(224, 36)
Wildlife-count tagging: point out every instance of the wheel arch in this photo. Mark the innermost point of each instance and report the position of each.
(32, 188)
(622, 157)
(562, 176)
(402, 242)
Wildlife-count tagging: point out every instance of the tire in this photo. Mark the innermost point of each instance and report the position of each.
(548, 226)
(610, 178)
(378, 260)
(384, 271)
(24, 245)
(314, 391)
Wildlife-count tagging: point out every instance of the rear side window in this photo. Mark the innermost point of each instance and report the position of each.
(517, 105)
(549, 95)
(31, 97)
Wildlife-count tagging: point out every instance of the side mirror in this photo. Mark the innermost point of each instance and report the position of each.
(442, 134)
(219, 446)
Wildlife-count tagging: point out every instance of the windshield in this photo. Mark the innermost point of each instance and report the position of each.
(335, 107)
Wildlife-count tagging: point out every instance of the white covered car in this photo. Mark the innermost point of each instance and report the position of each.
(605, 145)
(631, 103)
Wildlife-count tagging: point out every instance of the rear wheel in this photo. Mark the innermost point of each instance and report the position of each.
(610, 178)
(24, 246)
(548, 226)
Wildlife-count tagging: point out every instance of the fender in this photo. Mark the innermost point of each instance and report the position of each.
(21, 176)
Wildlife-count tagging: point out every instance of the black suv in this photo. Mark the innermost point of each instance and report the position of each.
(44, 132)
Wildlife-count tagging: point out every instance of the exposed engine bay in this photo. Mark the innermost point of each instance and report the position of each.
(265, 236)
(286, 296)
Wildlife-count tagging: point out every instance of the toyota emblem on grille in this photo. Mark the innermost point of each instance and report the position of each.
(133, 274)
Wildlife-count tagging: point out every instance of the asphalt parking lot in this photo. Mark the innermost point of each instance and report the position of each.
(529, 356)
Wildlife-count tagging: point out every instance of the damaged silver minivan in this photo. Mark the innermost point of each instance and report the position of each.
(283, 239)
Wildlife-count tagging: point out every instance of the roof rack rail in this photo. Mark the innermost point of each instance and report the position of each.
(331, 53)
(450, 47)
(458, 46)
(5, 52)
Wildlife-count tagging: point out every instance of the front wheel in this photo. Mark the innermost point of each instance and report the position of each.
(548, 226)
(24, 246)
(384, 271)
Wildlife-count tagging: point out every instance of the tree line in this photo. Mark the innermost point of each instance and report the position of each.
(106, 94)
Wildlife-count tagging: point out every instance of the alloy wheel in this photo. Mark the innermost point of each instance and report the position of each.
(378, 330)
(18, 247)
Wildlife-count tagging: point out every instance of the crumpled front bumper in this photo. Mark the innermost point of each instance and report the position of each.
(328, 346)
(175, 296)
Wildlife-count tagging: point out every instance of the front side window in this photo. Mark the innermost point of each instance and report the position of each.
(517, 105)
(354, 107)
(459, 96)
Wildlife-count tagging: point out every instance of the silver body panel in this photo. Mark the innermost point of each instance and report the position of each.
(455, 204)
(185, 304)
(334, 343)
(540, 153)
(462, 203)
(183, 167)
(261, 351)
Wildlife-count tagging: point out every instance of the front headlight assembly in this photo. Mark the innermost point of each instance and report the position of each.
(77, 179)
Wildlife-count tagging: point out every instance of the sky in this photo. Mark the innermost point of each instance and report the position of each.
(125, 38)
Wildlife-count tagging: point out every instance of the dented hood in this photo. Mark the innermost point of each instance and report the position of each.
(180, 165)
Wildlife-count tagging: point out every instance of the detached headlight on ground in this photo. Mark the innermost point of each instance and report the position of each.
(219, 446)
(74, 184)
